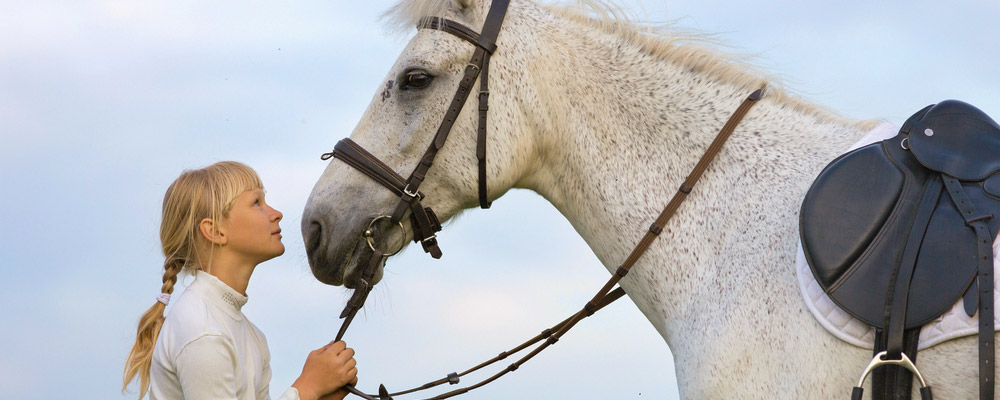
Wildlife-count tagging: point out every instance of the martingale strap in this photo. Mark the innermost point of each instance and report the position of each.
(606, 295)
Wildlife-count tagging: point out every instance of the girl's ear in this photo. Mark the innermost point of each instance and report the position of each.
(212, 232)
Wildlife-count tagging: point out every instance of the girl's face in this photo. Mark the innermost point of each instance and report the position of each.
(252, 227)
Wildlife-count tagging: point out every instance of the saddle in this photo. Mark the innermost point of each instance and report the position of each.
(897, 231)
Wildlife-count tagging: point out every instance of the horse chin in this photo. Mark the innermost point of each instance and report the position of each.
(348, 270)
(352, 275)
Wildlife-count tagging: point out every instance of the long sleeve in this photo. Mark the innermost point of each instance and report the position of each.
(206, 368)
(290, 394)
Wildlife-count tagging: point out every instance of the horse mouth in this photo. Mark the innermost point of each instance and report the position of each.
(347, 270)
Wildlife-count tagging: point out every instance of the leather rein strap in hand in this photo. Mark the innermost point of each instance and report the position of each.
(604, 296)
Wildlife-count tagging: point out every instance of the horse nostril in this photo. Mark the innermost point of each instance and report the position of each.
(314, 236)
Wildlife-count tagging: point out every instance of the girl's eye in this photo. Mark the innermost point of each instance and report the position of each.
(416, 79)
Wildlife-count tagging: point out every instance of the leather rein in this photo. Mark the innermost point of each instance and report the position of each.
(425, 223)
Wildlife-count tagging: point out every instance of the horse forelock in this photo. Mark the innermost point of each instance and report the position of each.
(403, 16)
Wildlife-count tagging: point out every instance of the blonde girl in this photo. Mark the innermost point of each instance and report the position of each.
(217, 227)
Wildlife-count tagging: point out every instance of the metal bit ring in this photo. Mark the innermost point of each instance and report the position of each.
(370, 236)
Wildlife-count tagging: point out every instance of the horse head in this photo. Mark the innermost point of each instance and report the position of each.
(399, 125)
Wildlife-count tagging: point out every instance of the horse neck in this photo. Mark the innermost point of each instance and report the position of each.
(619, 131)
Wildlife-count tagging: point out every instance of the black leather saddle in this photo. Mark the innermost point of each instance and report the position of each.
(894, 231)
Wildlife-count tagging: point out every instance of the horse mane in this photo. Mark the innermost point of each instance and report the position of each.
(664, 41)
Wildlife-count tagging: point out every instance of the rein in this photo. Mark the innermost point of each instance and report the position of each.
(425, 223)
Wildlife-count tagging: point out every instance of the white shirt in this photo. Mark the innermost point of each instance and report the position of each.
(208, 350)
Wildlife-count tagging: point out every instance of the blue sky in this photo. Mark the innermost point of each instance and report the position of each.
(103, 103)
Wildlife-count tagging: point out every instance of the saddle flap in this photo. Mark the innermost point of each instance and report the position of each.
(845, 208)
(957, 139)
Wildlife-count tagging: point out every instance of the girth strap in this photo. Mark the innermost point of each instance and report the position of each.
(984, 281)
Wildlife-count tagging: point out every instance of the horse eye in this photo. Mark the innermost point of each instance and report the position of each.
(416, 80)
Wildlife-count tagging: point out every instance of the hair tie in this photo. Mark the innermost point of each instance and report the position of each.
(163, 298)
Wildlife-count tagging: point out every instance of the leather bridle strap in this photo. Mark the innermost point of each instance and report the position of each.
(478, 67)
(354, 155)
(425, 223)
(606, 295)
(453, 378)
(361, 291)
(463, 32)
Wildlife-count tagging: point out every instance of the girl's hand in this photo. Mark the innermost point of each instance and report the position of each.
(340, 394)
(326, 370)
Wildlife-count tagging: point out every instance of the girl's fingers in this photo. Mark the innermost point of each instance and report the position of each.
(337, 347)
(346, 354)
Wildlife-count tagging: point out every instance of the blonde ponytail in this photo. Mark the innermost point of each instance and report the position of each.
(195, 195)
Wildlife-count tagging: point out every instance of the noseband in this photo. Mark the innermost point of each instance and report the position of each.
(425, 223)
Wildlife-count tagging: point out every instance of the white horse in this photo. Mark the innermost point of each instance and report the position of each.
(604, 122)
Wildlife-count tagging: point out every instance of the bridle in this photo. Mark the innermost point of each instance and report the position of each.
(425, 223)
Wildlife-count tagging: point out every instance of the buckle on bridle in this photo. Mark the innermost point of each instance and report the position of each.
(408, 192)
(369, 235)
(429, 239)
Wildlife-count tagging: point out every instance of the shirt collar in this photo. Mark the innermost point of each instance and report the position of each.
(218, 293)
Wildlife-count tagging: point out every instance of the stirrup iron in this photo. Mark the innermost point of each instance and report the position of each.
(879, 361)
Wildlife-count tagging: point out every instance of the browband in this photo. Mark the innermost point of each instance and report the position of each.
(461, 31)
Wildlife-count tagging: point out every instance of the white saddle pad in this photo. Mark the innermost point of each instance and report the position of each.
(955, 323)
